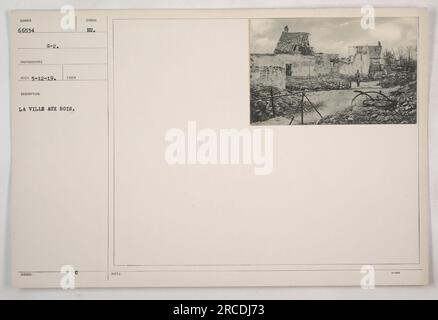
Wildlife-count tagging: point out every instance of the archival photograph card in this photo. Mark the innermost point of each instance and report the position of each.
(206, 148)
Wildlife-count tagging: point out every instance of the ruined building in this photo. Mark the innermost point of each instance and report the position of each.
(293, 43)
(294, 61)
(367, 59)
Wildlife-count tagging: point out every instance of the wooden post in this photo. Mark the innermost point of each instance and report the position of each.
(302, 108)
(272, 102)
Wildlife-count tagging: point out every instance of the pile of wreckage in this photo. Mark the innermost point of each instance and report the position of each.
(400, 78)
(287, 104)
(319, 83)
(399, 107)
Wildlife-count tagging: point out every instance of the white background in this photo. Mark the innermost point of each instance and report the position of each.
(7, 292)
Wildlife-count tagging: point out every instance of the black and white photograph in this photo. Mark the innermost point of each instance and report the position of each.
(333, 71)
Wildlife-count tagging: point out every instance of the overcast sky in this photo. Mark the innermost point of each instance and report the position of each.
(335, 35)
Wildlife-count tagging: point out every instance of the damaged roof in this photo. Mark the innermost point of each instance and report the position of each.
(294, 43)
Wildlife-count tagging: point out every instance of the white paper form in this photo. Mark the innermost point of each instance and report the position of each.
(119, 172)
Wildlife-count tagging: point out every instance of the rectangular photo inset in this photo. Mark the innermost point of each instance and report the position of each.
(333, 71)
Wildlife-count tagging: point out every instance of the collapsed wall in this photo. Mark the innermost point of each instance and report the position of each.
(367, 60)
(297, 71)
(275, 69)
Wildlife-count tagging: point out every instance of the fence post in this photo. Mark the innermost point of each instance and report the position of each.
(302, 108)
(272, 102)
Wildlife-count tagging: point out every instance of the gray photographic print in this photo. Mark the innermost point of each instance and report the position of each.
(333, 71)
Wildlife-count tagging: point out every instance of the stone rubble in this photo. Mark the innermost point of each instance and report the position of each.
(401, 110)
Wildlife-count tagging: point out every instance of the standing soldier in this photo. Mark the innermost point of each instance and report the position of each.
(357, 77)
